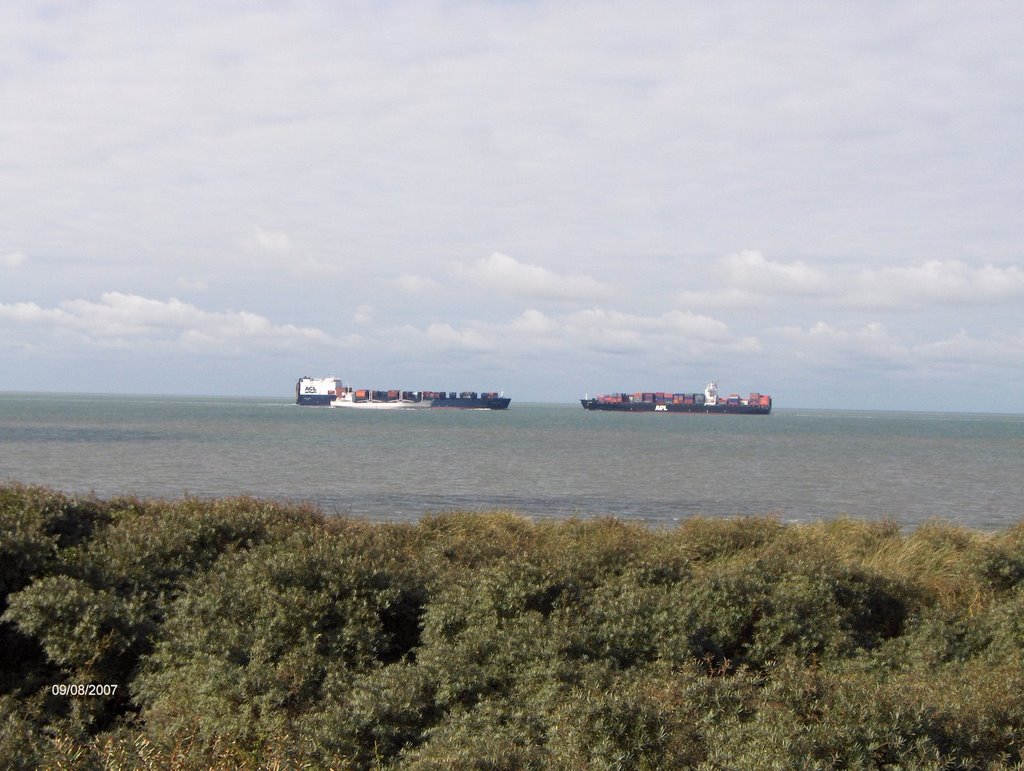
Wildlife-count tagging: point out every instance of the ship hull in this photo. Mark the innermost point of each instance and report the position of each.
(497, 403)
(716, 409)
(368, 405)
(500, 403)
(314, 400)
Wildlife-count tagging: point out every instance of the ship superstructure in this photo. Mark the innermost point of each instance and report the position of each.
(317, 391)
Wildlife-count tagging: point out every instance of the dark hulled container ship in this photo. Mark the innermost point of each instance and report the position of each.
(660, 401)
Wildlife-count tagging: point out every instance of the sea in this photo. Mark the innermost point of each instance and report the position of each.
(539, 460)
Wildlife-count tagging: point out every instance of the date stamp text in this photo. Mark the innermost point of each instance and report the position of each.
(83, 689)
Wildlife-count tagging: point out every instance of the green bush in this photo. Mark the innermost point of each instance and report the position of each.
(248, 647)
(37, 527)
(243, 633)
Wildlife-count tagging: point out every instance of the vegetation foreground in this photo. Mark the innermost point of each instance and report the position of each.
(246, 633)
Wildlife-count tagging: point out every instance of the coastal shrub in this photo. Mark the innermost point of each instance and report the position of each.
(113, 572)
(589, 550)
(1011, 543)
(369, 718)
(705, 539)
(1007, 617)
(967, 715)
(246, 649)
(68, 520)
(244, 633)
(151, 549)
(37, 526)
(630, 619)
(466, 540)
(492, 734)
(35, 523)
(602, 719)
(79, 627)
(495, 649)
(25, 552)
(89, 637)
(619, 725)
(996, 567)
(767, 609)
(481, 636)
(22, 743)
(934, 638)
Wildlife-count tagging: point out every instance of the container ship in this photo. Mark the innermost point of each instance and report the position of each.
(332, 392)
(659, 401)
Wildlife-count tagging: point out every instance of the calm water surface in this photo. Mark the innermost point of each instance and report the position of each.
(540, 460)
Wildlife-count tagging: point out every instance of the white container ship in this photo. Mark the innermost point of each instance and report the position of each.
(332, 392)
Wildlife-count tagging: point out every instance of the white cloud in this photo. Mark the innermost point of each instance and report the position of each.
(445, 334)
(30, 313)
(191, 284)
(940, 282)
(271, 241)
(412, 284)
(130, 321)
(363, 315)
(441, 336)
(962, 348)
(749, 270)
(721, 298)
(506, 275)
(12, 259)
(595, 330)
(639, 332)
(872, 338)
(533, 322)
(275, 249)
(752, 281)
(873, 346)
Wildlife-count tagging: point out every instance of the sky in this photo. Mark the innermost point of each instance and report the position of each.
(820, 201)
